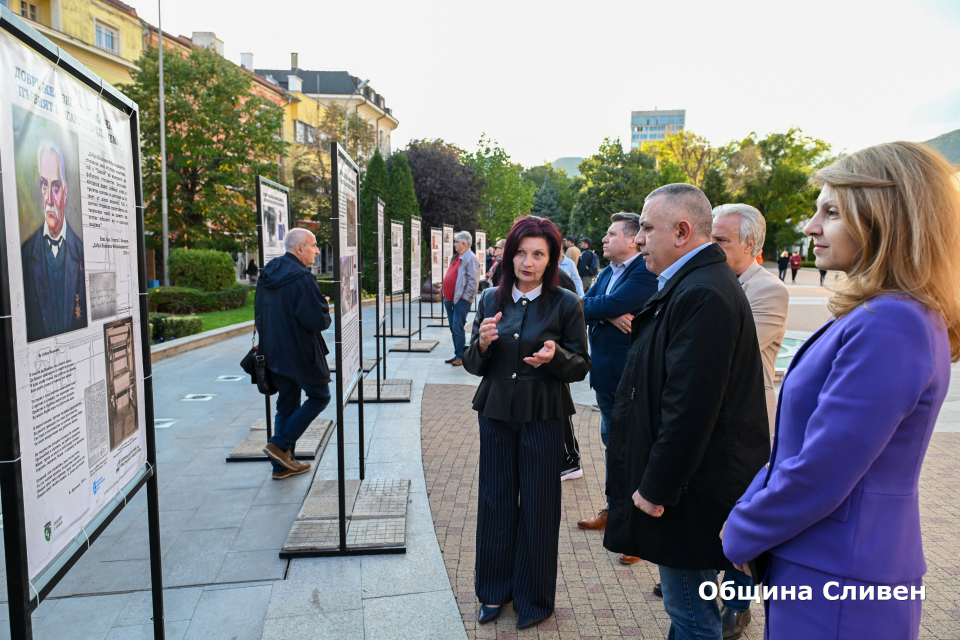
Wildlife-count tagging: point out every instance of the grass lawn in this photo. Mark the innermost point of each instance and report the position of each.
(217, 319)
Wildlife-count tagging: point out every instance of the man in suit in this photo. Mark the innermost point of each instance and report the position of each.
(54, 286)
(619, 292)
(692, 384)
(739, 230)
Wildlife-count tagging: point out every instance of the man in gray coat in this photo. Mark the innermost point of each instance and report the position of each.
(459, 291)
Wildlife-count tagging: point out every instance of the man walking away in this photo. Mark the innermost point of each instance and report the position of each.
(290, 313)
(692, 384)
(589, 264)
(571, 249)
(460, 285)
(739, 230)
(620, 291)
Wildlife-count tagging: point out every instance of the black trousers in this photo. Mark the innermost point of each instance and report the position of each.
(518, 517)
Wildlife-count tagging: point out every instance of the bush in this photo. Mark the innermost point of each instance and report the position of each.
(808, 265)
(202, 269)
(168, 326)
(181, 300)
(325, 282)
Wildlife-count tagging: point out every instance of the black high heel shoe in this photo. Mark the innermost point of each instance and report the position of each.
(525, 623)
(488, 614)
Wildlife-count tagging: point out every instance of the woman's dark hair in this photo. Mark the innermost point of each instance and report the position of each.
(529, 227)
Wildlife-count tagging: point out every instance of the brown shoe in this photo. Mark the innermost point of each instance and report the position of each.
(282, 457)
(450, 360)
(286, 473)
(593, 524)
(625, 559)
(458, 362)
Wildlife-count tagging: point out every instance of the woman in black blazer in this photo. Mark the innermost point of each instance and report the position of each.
(529, 343)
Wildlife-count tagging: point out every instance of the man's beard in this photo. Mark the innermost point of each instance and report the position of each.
(47, 211)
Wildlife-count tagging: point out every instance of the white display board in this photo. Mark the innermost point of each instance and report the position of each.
(273, 209)
(72, 259)
(416, 255)
(482, 254)
(448, 250)
(436, 256)
(381, 260)
(348, 271)
(396, 256)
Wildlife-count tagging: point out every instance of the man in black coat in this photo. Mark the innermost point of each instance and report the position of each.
(290, 313)
(689, 428)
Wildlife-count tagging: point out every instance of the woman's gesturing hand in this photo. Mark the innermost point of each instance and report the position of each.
(488, 331)
(543, 356)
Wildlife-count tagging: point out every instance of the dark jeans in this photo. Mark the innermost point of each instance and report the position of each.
(691, 617)
(794, 273)
(783, 274)
(457, 317)
(740, 579)
(292, 418)
(605, 400)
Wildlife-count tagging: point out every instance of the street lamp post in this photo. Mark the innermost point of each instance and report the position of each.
(346, 115)
(163, 156)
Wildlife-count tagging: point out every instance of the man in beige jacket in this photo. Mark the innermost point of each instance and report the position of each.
(739, 230)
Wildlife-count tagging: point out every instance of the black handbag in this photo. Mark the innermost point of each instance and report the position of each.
(255, 364)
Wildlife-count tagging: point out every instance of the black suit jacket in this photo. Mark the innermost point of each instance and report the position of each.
(38, 301)
(513, 390)
(689, 428)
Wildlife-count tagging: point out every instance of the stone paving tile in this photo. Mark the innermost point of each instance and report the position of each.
(596, 596)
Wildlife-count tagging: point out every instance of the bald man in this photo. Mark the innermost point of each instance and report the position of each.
(290, 315)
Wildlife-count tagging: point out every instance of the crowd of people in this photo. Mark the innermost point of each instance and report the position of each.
(807, 501)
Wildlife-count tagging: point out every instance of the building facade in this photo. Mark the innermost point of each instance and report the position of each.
(648, 126)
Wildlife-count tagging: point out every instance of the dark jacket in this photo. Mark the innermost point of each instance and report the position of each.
(38, 295)
(587, 263)
(689, 428)
(608, 344)
(783, 262)
(290, 314)
(513, 390)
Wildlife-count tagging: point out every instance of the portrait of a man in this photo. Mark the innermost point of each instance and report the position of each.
(54, 283)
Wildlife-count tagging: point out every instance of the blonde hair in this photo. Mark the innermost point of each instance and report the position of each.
(785, 254)
(901, 203)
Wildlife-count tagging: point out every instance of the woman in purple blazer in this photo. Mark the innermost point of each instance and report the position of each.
(837, 509)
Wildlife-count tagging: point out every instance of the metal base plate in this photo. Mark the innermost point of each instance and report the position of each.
(398, 333)
(251, 447)
(368, 364)
(391, 390)
(414, 346)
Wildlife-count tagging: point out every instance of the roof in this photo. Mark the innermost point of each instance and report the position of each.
(329, 82)
(122, 7)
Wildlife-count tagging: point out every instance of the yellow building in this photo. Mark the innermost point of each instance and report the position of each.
(105, 35)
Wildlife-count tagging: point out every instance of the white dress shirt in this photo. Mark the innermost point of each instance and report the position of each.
(672, 269)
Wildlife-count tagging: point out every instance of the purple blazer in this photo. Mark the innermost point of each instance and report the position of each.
(856, 412)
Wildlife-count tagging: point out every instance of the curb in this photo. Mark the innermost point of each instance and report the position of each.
(170, 349)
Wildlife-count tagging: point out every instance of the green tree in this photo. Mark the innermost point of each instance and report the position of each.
(545, 205)
(686, 152)
(376, 184)
(219, 138)
(505, 196)
(610, 181)
(363, 137)
(715, 187)
(401, 204)
(560, 182)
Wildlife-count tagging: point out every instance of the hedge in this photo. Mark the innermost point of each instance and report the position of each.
(202, 269)
(165, 326)
(181, 300)
(326, 286)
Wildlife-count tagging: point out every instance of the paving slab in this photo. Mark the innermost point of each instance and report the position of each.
(419, 616)
(229, 614)
(391, 390)
(308, 445)
(313, 534)
(369, 364)
(376, 532)
(400, 332)
(323, 500)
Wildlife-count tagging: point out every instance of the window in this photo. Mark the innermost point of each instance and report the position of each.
(304, 133)
(108, 38)
(30, 11)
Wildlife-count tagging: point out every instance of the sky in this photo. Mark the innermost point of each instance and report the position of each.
(553, 79)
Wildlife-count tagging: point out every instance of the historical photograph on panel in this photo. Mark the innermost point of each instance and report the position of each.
(348, 289)
(103, 295)
(121, 380)
(51, 229)
(98, 427)
(273, 221)
(351, 222)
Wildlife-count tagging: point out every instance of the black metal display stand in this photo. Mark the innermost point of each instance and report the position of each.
(23, 594)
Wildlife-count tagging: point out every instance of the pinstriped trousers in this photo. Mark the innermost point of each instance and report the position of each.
(518, 517)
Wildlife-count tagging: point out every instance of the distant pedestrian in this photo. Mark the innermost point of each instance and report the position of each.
(823, 276)
(493, 273)
(572, 252)
(252, 271)
(490, 257)
(589, 265)
(783, 263)
(529, 343)
(795, 262)
(836, 512)
(570, 268)
(290, 313)
(460, 285)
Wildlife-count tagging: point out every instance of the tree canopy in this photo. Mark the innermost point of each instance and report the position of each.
(447, 190)
(505, 195)
(219, 138)
(375, 184)
(401, 204)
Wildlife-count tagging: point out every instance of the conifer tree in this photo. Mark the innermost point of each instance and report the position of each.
(376, 184)
(545, 205)
(401, 204)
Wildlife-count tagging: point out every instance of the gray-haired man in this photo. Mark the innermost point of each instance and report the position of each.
(460, 285)
(739, 230)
